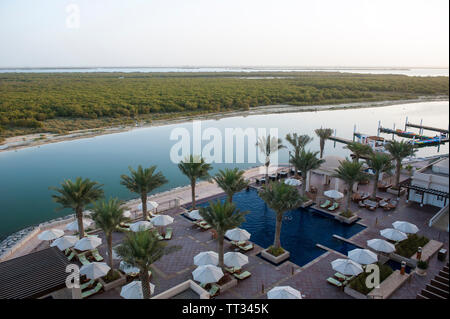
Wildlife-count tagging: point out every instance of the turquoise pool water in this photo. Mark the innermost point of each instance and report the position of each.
(302, 228)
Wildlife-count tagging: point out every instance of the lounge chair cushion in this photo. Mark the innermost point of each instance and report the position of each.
(92, 291)
(242, 275)
(334, 282)
(168, 235)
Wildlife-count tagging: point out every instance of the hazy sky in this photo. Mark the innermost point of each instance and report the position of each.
(47, 33)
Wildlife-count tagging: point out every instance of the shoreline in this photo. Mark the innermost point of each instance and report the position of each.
(27, 141)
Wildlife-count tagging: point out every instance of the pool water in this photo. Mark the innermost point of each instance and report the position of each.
(302, 228)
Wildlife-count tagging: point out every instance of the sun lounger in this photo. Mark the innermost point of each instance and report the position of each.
(67, 251)
(87, 284)
(72, 255)
(168, 235)
(92, 291)
(214, 291)
(157, 234)
(97, 255)
(342, 277)
(326, 204)
(246, 247)
(333, 207)
(83, 260)
(334, 282)
(242, 275)
(205, 226)
(232, 270)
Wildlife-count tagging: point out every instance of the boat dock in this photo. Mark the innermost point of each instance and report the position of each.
(428, 128)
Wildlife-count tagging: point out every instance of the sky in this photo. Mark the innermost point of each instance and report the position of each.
(346, 33)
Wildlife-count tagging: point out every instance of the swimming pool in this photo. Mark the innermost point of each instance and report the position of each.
(302, 228)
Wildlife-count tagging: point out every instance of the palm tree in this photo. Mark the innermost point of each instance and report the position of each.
(231, 181)
(222, 217)
(195, 168)
(108, 215)
(305, 162)
(323, 134)
(143, 181)
(141, 249)
(269, 145)
(380, 163)
(350, 172)
(399, 151)
(76, 195)
(298, 142)
(359, 150)
(281, 198)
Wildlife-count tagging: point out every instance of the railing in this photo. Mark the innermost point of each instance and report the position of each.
(438, 215)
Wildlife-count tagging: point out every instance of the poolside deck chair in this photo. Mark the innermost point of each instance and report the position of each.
(157, 234)
(342, 277)
(92, 291)
(87, 284)
(72, 255)
(246, 247)
(169, 232)
(214, 290)
(326, 204)
(243, 275)
(333, 207)
(67, 251)
(232, 270)
(83, 260)
(97, 255)
(205, 226)
(334, 282)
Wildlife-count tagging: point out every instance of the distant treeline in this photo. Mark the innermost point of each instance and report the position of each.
(29, 100)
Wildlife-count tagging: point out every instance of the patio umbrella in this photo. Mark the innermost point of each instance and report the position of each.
(363, 256)
(162, 220)
(87, 213)
(393, 234)
(126, 214)
(73, 226)
(235, 259)
(381, 245)
(195, 214)
(284, 292)
(127, 268)
(207, 274)
(238, 234)
(333, 194)
(292, 182)
(134, 290)
(405, 227)
(346, 267)
(51, 234)
(95, 270)
(206, 258)
(64, 242)
(150, 205)
(88, 243)
(140, 226)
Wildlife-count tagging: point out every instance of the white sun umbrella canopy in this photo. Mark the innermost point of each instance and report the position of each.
(363, 256)
(162, 220)
(134, 290)
(95, 270)
(206, 258)
(51, 234)
(347, 267)
(65, 242)
(381, 245)
(393, 234)
(73, 226)
(405, 227)
(235, 259)
(207, 274)
(333, 194)
(292, 182)
(150, 205)
(195, 214)
(88, 243)
(238, 234)
(284, 292)
(126, 214)
(141, 226)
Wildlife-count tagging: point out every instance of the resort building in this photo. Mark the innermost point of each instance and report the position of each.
(429, 185)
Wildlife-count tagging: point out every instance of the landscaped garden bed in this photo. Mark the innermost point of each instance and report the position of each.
(276, 256)
(409, 246)
(357, 287)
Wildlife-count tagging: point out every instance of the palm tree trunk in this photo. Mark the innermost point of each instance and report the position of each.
(193, 193)
(230, 198)
(349, 196)
(110, 259)
(221, 238)
(304, 187)
(145, 281)
(397, 173)
(322, 146)
(267, 171)
(277, 242)
(375, 185)
(79, 214)
(144, 206)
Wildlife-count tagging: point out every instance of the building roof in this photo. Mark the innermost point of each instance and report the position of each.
(33, 275)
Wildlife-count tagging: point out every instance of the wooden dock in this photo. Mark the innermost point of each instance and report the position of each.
(428, 128)
(340, 139)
